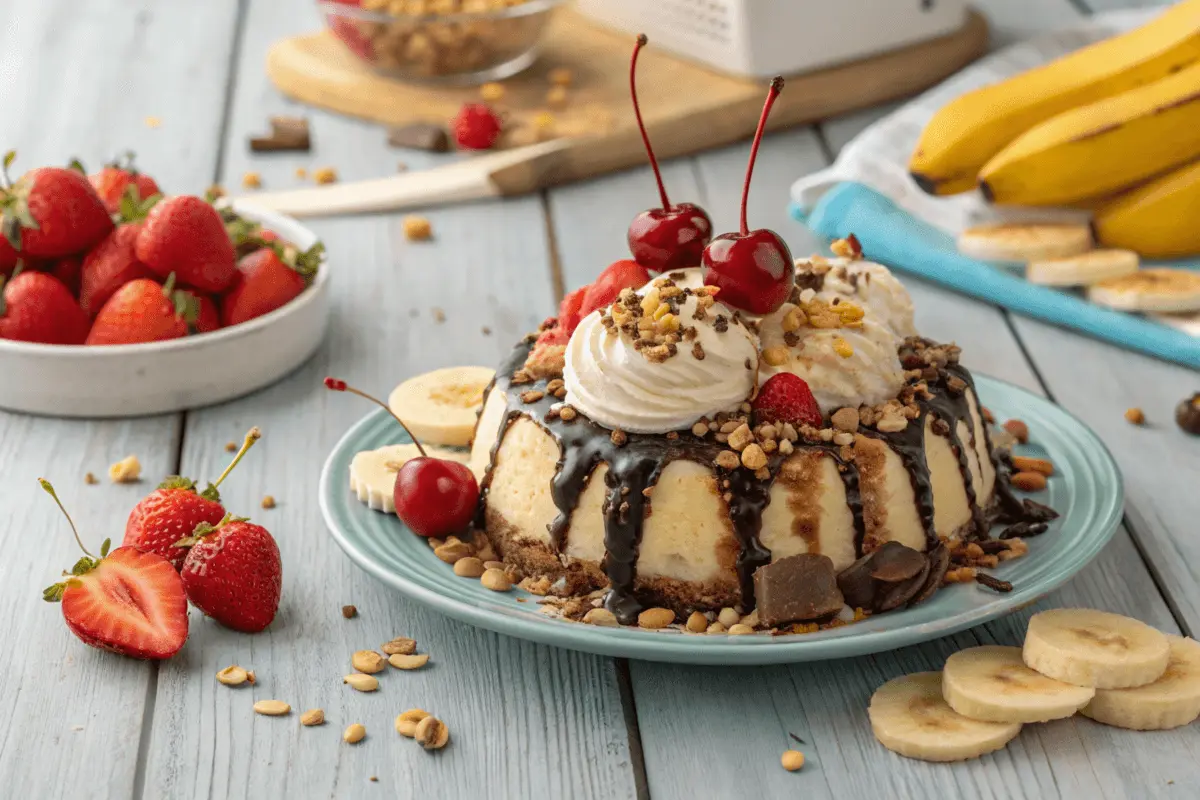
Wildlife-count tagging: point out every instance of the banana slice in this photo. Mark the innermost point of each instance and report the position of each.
(373, 472)
(910, 717)
(1094, 648)
(1083, 269)
(1188, 323)
(440, 407)
(1025, 242)
(1156, 289)
(1171, 701)
(992, 683)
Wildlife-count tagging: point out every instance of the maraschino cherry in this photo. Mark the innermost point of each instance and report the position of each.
(671, 237)
(434, 497)
(753, 269)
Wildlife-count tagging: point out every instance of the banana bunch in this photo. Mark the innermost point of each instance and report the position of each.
(1113, 128)
(1113, 669)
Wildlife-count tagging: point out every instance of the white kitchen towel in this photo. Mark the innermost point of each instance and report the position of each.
(878, 157)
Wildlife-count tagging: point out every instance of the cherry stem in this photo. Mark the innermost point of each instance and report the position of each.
(776, 88)
(50, 491)
(336, 385)
(253, 436)
(637, 112)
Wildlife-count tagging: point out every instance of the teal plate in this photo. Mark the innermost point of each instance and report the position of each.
(1086, 490)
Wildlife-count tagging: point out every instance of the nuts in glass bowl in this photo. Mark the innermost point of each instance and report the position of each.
(459, 41)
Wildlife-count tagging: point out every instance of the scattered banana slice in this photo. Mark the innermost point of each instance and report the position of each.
(1171, 701)
(440, 406)
(1155, 289)
(1083, 269)
(1188, 323)
(1094, 648)
(992, 683)
(1025, 242)
(910, 717)
(373, 472)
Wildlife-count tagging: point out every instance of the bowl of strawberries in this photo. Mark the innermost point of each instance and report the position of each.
(117, 300)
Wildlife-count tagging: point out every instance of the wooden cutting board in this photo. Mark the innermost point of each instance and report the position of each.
(686, 107)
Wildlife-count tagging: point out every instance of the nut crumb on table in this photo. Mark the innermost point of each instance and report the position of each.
(268, 501)
(1135, 416)
(325, 175)
(90, 479)
(252, 180)
(417, 228)
(127, 470)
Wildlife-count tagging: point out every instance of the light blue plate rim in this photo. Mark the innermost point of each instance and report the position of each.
(1087, 490)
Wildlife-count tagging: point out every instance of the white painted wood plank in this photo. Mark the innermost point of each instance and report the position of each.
(731, 742)
(78, 81)
(1013, 20)
(1112, 5)
(525, 720)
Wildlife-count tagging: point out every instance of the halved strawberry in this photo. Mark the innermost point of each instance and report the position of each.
(786, 398)
(126, 601)
(619, 275)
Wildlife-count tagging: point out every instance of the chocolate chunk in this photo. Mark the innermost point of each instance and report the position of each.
(1023, 530)
(897, 594)
(420, 136)
(939, 562)
(1004, 587)
(1034, 511)
(287, 133)
(796, 589)
(894, 562)
(856, 584)
(1187, 415)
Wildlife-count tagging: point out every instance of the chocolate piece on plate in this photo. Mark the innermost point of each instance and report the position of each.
(895, 595)
(894, 562)
(1187, 415)
(856, 584)
(939, 563)
(420, 136)
(796, 589)
(287, 133)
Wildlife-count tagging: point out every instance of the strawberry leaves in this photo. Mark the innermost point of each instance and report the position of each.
(87, 563)
(204, 529)
(133, 207)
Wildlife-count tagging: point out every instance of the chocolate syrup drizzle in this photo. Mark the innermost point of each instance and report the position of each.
(635, 467)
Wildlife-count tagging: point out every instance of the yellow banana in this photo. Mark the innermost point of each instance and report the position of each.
(1101, 148)
(1157, 219)
(968, 131)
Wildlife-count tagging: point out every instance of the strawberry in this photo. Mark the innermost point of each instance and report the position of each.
(126, 601)
(269, 278)
(617, 276)
(786, 398)
(185, 235)
(551, 336)
(208, 318)
(9, 257)
(173, 510)
(233, 573)
(51, 212)
(37, 307)
(143, 311)
(69, 270)
(115, 178)
(109, 266)
(476, 127)
(569, 310)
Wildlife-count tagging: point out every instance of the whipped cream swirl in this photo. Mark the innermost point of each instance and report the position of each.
(618, 386)
(873, 287)
(870, 375)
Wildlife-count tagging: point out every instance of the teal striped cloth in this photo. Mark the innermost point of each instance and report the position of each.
(899, 240)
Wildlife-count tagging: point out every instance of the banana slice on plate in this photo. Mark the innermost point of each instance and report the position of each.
(440, 407)
(1155, 289)
(1171, 701)
(1025, 242)
(992, 683)
(1094, 648)
(373, 472)
(909, 716)
(1083, 269)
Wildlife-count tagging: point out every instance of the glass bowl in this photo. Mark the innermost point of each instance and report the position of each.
(442, 41)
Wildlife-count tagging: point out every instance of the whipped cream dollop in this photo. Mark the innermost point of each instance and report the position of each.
(871, 286)
(659, 385)
(844, 366)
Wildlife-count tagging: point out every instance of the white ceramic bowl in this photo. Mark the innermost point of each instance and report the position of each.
(140, 379)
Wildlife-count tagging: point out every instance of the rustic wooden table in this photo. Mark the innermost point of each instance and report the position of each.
(527, 721)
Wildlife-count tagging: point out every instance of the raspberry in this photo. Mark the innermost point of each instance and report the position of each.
(786, 398)
(476, 127)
